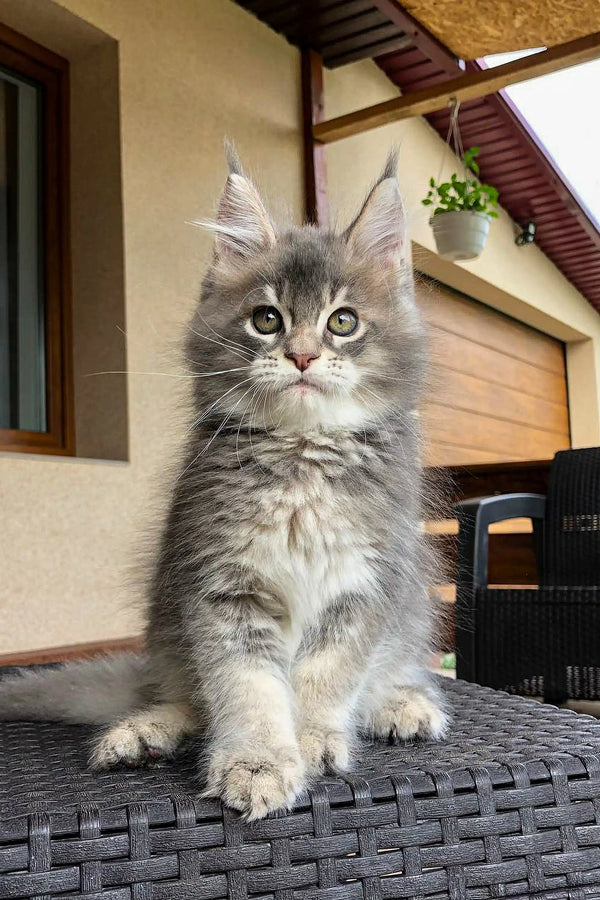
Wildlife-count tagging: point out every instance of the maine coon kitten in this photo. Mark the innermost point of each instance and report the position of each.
(289, 610)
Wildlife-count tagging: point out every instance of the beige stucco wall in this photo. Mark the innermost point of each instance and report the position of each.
(520, 281)
(192, 71)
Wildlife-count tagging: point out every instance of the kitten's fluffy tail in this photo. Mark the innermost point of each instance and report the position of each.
(92, 691)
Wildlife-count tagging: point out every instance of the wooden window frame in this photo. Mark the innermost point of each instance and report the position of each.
(27, 58)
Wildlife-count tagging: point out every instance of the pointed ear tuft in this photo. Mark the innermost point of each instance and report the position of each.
(233, 161)
(390, 170)
(379, 230)
(243, 227)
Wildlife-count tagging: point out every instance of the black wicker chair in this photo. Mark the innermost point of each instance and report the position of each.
(545, 641)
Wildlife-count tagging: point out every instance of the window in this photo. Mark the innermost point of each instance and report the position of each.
(35, 344)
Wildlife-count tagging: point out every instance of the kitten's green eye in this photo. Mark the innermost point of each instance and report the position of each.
(342, 322)
(267, 320)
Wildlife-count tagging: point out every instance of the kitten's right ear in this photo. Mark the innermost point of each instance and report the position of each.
(243, 227)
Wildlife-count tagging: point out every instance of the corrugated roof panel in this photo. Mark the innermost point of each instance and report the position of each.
(342, 31)
(322, 15)
(363, 26)
(364, 51)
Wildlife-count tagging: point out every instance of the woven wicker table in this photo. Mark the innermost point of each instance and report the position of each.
(509, 806)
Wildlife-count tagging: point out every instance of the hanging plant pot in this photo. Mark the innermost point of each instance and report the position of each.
(460, 234)
(462, 207)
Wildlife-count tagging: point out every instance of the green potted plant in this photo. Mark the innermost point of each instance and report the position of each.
(462, 211)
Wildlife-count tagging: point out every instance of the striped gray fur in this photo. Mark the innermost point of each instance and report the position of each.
(289, 609)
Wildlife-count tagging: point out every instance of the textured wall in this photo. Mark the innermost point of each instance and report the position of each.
(191, 72)
(519, 281)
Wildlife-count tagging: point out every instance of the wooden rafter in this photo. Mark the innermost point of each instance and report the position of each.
(420, 37)
(315, 170)
(464, 87)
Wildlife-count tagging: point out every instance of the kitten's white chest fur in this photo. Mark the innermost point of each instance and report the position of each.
(308, 545)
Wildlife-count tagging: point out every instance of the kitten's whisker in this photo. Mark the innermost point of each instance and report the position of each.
(222, 372)
(247, 355)
(253, 291)
(215, 403)
(258, 398)
(227, 340)
(223, 423)
(237, 437)
(216, 433)
(378, 421)
(381, 375)
(167, 374)
(266, 394)
(374, 394)
(252, 450)
(263, 397)
(237, 442)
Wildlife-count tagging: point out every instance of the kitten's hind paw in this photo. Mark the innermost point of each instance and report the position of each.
(256, 780)
(411, 712)
(144, 738)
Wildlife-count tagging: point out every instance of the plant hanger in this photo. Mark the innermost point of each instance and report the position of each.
(453, 129)
(453, 140)
(453, 137)
(462, 206)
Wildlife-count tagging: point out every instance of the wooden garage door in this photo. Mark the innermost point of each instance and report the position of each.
(498, 389)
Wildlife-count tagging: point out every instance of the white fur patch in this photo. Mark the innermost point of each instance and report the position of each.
(305, 546)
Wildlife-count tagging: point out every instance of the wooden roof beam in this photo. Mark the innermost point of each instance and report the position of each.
(464, 87)
(427, 43)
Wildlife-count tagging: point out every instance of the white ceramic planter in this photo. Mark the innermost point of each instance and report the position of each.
(460, 234)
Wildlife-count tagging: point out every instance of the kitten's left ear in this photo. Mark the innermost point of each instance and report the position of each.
(379, 230)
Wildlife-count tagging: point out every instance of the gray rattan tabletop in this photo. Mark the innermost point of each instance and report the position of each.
(508, 805)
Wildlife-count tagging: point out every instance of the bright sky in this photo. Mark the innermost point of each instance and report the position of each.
(562, 110)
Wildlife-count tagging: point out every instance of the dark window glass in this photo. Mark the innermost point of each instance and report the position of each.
(22, 330)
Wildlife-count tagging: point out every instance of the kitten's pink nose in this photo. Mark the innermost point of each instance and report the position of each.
(302, 360)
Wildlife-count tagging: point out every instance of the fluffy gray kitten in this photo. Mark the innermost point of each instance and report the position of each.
(289, 609)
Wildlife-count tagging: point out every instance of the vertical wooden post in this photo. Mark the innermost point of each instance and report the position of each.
(315, 168)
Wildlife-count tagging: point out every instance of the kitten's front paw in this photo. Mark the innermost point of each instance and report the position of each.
(256, 780)
(410, 713)
(324, 749)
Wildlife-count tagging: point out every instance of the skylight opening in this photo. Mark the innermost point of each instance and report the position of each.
(560, 108)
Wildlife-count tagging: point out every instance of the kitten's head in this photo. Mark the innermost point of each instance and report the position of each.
(307, 329)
